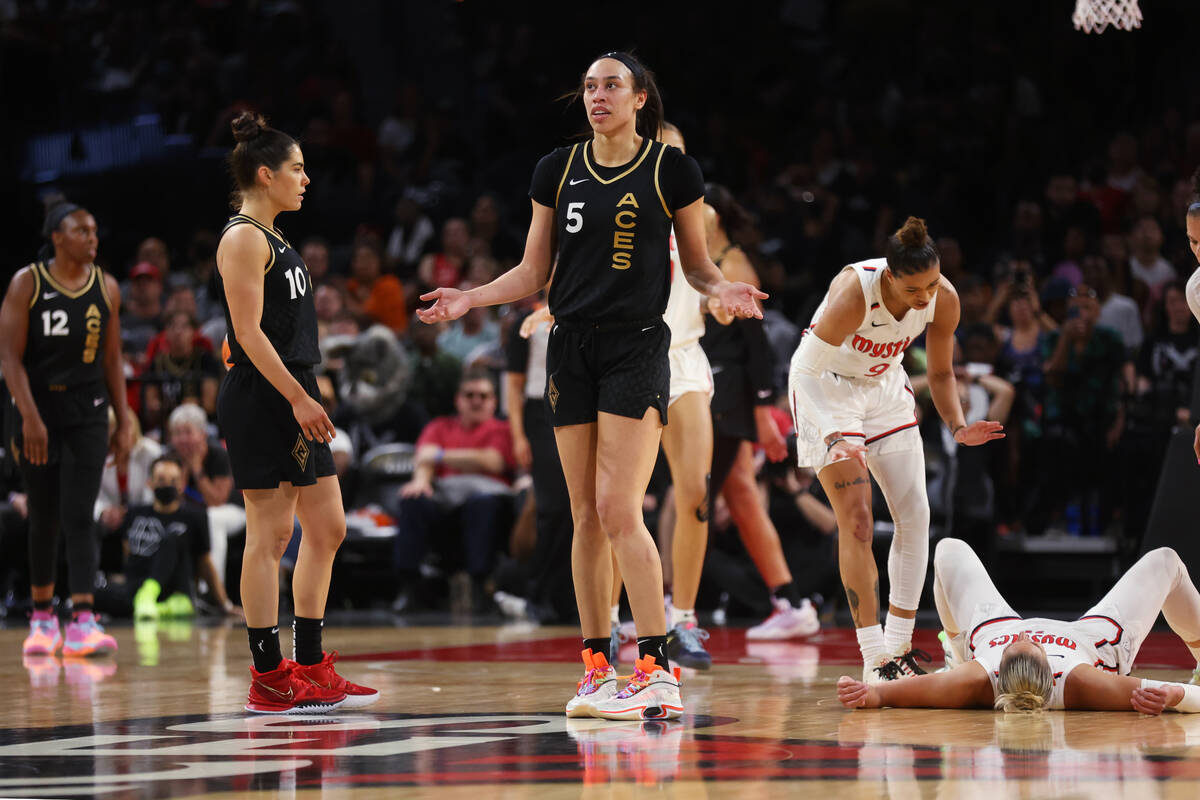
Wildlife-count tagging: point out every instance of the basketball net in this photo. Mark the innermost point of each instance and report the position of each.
(1093, 16)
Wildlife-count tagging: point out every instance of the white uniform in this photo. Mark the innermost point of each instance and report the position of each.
(1107, 637)
(690, 371)
(1192, 292)
(865, 385)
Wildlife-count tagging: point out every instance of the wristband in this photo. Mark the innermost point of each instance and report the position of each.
(837, 439)
(441, 454)
(954, 433)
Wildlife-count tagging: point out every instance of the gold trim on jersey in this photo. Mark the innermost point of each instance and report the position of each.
(657, 163)
(238, 219)
(37, 283)
(570, 159)
(104, 289)
(645, 152)
(71, 293)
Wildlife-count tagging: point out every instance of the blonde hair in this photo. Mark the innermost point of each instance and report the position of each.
(1024, 683)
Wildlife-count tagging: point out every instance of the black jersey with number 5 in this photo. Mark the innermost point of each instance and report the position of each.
(613, 226)
(289, 316)
(64, 347)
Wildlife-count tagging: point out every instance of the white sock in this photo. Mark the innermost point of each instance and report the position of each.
(870, 642)
(614, 614)
(681, 616)
(897, 634)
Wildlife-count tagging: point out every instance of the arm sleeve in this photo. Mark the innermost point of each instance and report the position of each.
(681, 179)
(547, 175)
(516, 349)
(760, 361)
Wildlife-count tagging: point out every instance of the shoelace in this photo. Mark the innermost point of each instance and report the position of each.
(638, 681)
(889, 671)
(588, 677)
(910, 659)
(692, 638)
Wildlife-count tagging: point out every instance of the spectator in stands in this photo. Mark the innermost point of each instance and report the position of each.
(1161, 402)
(315, 252)
(140, 313)
(168, 554)
(488, 236)
(183, 372)
(1146, 263)
(154, 251)
(411, 231)
(1116, 310)
(435, 376)
(372, 296)
(448, 267)
(209, 479)
(467, 337)
(1065, 209)
(125, 482)
(463, 468)
(1084, 415)
(330, 302)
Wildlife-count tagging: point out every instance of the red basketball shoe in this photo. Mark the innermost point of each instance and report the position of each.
(324, 676)
(282, 691)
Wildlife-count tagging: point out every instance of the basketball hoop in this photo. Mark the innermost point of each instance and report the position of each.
(1093, 16)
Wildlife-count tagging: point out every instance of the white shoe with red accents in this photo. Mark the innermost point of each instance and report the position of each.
(652, 693)
(599, 683)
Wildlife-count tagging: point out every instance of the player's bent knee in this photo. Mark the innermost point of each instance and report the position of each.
(858, 524)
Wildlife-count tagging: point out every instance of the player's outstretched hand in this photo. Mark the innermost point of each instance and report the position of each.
(853, 693)
(448, 304)
(740, 299)
(980, 432)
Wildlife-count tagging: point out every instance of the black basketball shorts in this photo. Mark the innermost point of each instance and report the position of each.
(264, 441)
(76, 420)
(620, 368)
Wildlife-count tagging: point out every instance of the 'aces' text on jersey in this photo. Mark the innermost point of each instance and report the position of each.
(65, 344)
(613, 226)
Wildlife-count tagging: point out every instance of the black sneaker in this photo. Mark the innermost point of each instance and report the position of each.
(685, 646)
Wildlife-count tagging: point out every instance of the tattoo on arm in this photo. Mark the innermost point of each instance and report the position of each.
(859, 481)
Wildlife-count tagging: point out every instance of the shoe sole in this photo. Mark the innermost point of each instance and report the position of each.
(640, 713)
(359, 700)
(95, 651)
(321, 708)
(38, 651)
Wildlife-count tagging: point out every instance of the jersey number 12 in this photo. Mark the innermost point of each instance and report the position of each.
(54, 323)
(296, 281)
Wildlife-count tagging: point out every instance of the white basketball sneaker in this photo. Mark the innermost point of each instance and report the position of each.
(652, 693)
(787, 621)
(599, 683)
(897, 667)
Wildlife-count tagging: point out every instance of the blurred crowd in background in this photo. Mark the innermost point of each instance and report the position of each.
(1054, 170)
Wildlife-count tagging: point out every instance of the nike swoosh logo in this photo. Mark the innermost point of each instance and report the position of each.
(49, 295)
(285, 695)
(650, 328)
(878, 324)
(282, 249)
(581, 180)
(96, 403)
(1056, 655)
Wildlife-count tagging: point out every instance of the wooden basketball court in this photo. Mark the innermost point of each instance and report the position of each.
(477, 711)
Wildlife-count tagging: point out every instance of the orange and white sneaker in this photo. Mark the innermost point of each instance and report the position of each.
(599, 683)
(324, 676)
(85, 637)
(44, 637)
(281, 691)
(652, 693)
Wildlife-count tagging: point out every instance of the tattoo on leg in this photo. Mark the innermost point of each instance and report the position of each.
(859, 481)
(702, 509)
(852, 596)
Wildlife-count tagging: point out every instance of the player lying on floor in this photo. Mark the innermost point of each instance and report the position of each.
(999, 660)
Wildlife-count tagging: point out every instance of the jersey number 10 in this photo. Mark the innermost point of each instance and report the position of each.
(297, 281)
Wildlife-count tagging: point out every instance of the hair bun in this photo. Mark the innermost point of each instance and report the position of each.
(913, 233)
(247, 125)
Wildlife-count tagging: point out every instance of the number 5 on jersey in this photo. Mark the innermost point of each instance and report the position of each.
(297, 281)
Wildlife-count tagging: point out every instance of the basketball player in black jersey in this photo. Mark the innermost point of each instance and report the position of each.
(275, 428)
(60, 352)
(609, 202)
